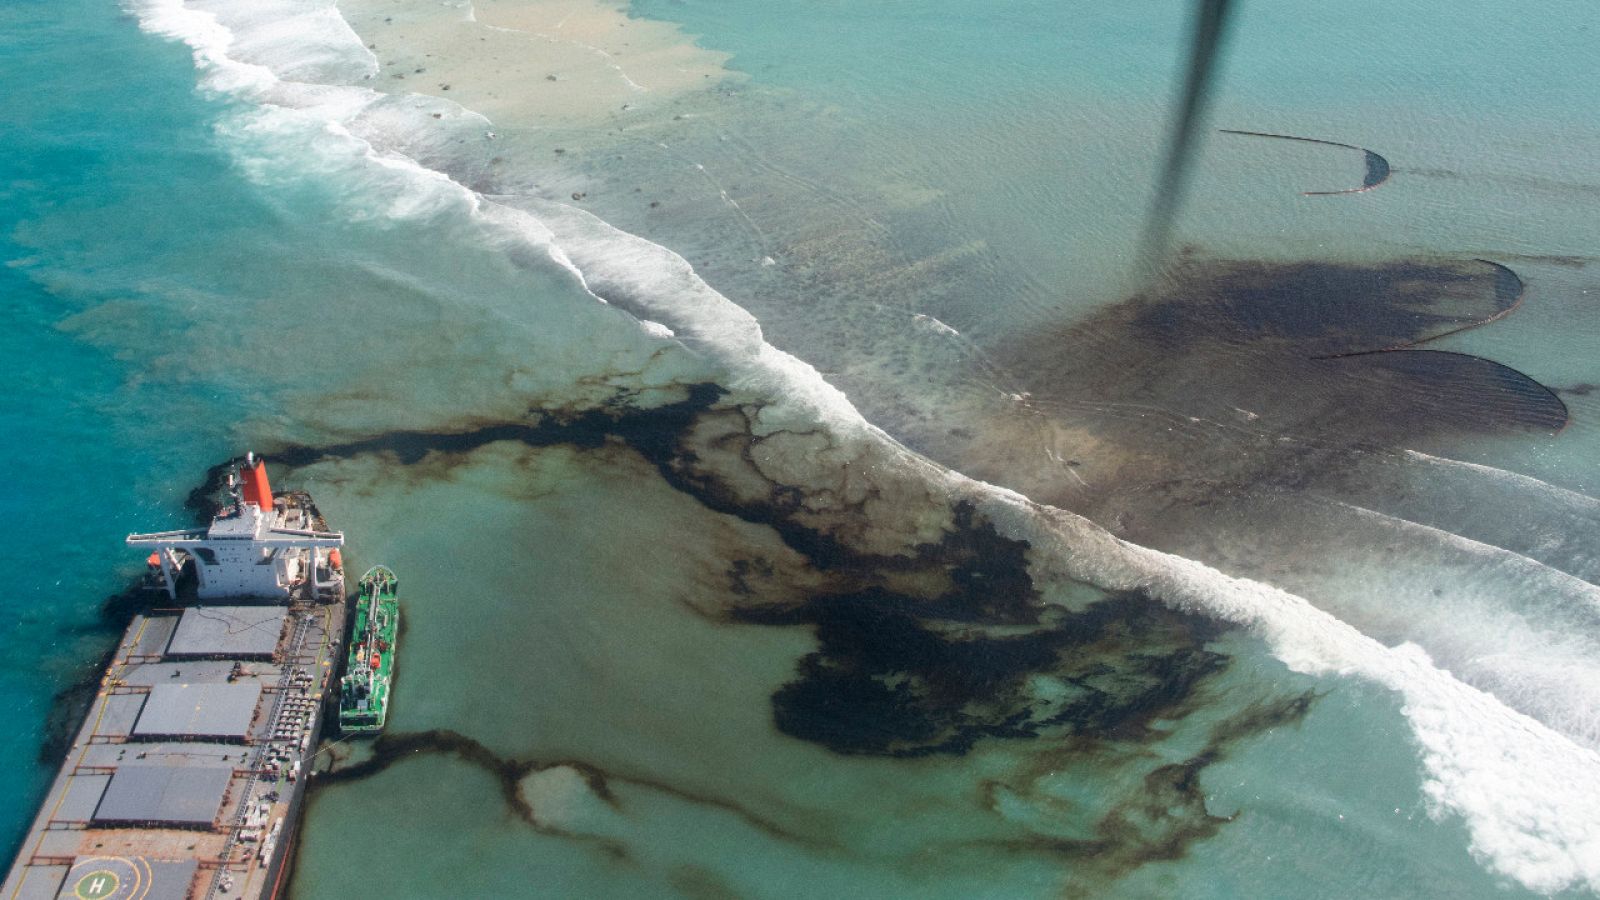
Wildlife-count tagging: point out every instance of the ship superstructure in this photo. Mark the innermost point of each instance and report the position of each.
(260, 545)
(186, 777)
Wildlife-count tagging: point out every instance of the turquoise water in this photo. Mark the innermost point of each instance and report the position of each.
(681, 620)
(81, 468)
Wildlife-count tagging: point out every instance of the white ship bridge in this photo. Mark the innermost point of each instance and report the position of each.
(259, 546)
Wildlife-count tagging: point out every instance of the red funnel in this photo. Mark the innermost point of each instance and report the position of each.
(257, 489)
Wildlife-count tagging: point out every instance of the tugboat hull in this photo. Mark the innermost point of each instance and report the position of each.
(369, 668)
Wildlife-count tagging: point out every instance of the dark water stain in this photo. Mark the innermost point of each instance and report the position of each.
(1462, 391)
(1582, 389)
(885, 681)
(1509, 292)
(700, 883)
(392, 748)
(1567, 260)
(1521, 180)
(921, 653)
(1190, 407)
(1232, 376)
(1314, 309)
(70, 704)
(1161, 822)
(892, 678)
(68, 707)
(980, 577)
(900, 675)
(665, 437)
(656, 433)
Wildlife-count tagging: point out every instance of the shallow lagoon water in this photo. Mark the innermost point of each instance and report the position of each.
(680, 621)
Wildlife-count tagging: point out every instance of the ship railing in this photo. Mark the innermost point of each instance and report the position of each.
(256, 774)
(232, 831)
(94, 770)
(236, 865)
(182, 534)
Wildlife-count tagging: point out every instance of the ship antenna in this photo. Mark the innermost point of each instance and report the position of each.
(235, 491)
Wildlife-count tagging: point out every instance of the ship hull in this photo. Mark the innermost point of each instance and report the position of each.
(365, 689)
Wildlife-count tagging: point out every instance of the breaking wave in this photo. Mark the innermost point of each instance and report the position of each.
(1529, 795)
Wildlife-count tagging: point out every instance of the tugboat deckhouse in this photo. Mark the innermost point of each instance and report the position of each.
(258, 547)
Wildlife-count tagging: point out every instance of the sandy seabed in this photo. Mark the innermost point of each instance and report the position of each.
(533, 63)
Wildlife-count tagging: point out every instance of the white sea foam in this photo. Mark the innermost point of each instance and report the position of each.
(652, 282)
(297, 40)
(1529, 796)
(657, 329)
(934, 325)
(1571, 498)
(1527, 633)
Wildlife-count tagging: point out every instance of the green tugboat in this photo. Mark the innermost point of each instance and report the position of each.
(364, 690)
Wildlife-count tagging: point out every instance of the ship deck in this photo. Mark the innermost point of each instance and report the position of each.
(186, 776)
(370, 719)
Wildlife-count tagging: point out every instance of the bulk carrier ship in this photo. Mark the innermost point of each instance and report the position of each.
(186, 778)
